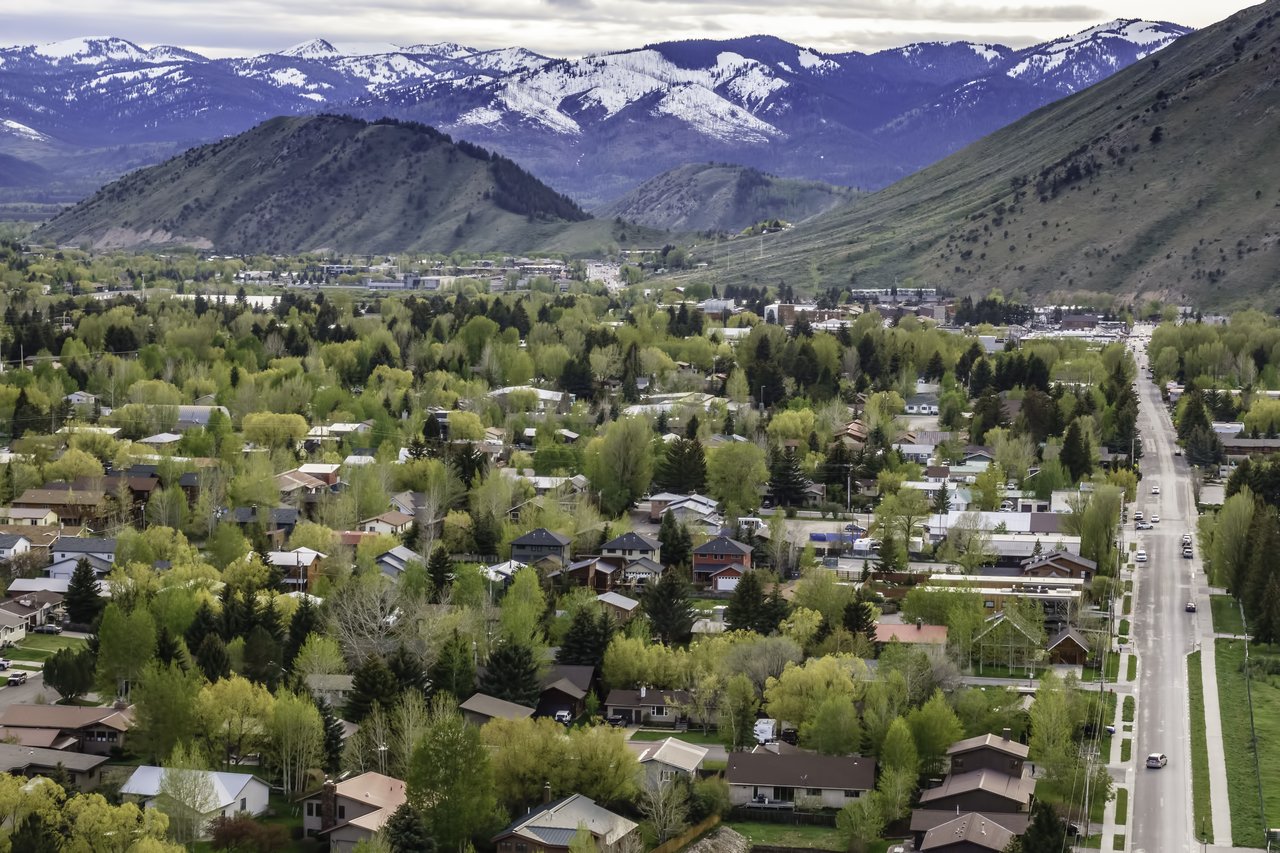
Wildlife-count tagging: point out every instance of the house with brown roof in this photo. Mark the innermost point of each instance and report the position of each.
(480, 708)
(30, 761)
(989, 752)
(984, 800)
(968, 833)
(981, 790)
(551, 827)
(1069, 646)
(827, 781)
(34, 517)
(352, 810)
(74, 508)
(647, 706)
(715, 554)
(1060, 564)
(92, 730)
(565, 688)
(392, 522)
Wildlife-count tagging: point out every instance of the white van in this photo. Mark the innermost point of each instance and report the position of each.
(766, 731)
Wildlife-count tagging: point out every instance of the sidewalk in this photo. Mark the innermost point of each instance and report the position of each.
(1111, 829)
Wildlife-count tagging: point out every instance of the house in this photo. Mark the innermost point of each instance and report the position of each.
(541, 544)
(325, 472)
(565, 688)
(232, 793)
(191, 417)
(982, 790)
(913, 634)
(352, 810)
(544, 400)
(300, 567)
(852, 435)
(985, 797)
(13, 545)
(597, 573)
(37, 608)
(161, 439)
(408, 502)
(297, 487)
(34, 517)
(647, 706)
(643, 571)
(331, 689)
(277, 522)
(392, 522)
(683, 506)
(502, 573)
(632, 546)
(13, 629)
(798, 776)
(31, 761)
(668, 759)
(74, 508)
(715, 554)
(618, 606)
(394, 562)
(93, 730)
(480, 708)
(1060, 564)
(551, 827)
(968, 833)
(989, 752)
(1069, 646)
(80, 398)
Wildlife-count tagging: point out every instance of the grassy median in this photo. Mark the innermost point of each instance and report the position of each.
(1201, 806)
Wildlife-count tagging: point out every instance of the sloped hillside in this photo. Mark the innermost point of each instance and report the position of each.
(1161, 182)
(324, 182)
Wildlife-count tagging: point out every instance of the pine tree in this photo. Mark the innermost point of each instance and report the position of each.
(305, 622)
(1047, 831)
(588, 636)
(169, 649)
(204, 624)
(27, 417)
(669, 608)
(212, 657)
(236, 615)
(408, 670)
(858, 619)
(262, 657)
(746, 610)
(786, 480)
(677, 544)
(371, 684)
(6, 485)
(407, 832)
(511, 673)
(1075, 455)
(35, 835)
(942, 500)
(83, 600)
(454, 671)
(440, 569)
(334, 737)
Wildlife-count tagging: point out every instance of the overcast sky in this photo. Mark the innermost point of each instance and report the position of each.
(576, 27)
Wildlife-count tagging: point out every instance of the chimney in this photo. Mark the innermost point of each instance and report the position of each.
(546, 793)
(643, 689)
(1007, 731)
(328, 804)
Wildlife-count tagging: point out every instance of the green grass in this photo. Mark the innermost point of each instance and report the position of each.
(51, 642)
(1226, 615)
(1128, 605)
(691, 736)
(1113, 667)
(1126, 750)
(1122, 807)
(1129, 707)
(788, 835)
(1117, 842)
(1124, 627)
(29, 655)
(1242, 765)
(1132, 670)
(1108, 714)
(1201, 807)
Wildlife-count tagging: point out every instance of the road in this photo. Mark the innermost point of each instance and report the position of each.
(1161, 819)
(26, 694)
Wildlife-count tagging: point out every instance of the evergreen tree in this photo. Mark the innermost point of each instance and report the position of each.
(35, 835)
(406, 831)
(7, 487)
(334, 737)
(440, 569)
(746, 609)
(1047, 831)
(786, 480)
(1193, 416)
(454, 671)
(859, 618)
(511, 673)
(27, 417)
(204, 624)
(1076, 456)
(408, 670)
(677, 544)
(942, 500)
(371, 684)
(262, 657)
(83, 599)
(236, 615)
(70, 672)
(669, 608)
(169, 649)
(212, 657)
(1266, 625)
(305, 622)
(588, 636)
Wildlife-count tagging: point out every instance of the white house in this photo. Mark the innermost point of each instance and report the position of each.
(665, 760)
(233, 793)
(13, 628)
(392, 522)
(13, 545)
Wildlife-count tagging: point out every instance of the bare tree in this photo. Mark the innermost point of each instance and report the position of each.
(186, 795)
(666, 805)
(363, 614)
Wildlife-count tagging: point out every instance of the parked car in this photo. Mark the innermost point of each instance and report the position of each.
(1191, 607)
(48, 628)
(1186, 539)
(1157, 760)
(616, 721)
(16, 678)
(1138, 516)
(1186, 553)
(5, 663)
(1155, 519)
(564, 717)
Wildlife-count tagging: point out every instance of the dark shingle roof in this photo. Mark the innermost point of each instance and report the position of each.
(542, 536)
(722, 546)
(630, 542)
(84, 545)
(801, 770)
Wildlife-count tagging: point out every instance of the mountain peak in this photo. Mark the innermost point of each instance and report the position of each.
(91, 50)
(316, 48)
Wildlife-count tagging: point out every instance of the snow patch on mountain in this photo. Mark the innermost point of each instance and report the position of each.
(986, 51)
(810, 61)
(316, 48)
(444, 50)
(713, 116)
(15, 128)
(91, 50)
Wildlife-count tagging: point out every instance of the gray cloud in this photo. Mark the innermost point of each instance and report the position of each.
(575, 27)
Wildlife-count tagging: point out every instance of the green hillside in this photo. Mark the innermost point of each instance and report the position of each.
(722, 197)
(1163, 181)
(328, 182)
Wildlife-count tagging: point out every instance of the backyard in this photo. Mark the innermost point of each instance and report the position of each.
(797, 836)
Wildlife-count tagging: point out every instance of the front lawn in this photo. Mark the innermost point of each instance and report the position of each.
(1243, 766)
(691, 736)
(1226, 615)
(798, 836)
(51, 642)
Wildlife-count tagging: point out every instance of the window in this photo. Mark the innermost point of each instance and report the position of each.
(852, 795)
(522, 848)
(342, 812)
(989, 604)
(311, 809)
(957, 763)
(667, 775)
(659, 711)
(244, 804)
(813, 792)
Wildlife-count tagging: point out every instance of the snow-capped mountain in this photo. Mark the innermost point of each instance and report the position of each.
(593, 126)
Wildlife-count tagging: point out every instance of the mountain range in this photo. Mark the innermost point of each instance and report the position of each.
(1161, 182)
(84, 111)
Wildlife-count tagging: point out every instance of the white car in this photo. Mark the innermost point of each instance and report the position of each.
(1155, 519)
(1140, 556)
(1155, 490)
(1157, 760)
(1143, 525)
(1186, 539)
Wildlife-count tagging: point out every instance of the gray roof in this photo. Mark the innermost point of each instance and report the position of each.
(15, 759)
(491, 706)
(722, 545)
(801, 770)
(542, 536)
(84, 545)
(631, 542)
(8, 540)
(1011, 747)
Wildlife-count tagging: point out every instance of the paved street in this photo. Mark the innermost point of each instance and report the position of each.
(1161, 819)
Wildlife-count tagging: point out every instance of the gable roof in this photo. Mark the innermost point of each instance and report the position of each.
(147, 780)
(1068, 635)
(630, 542)
(555, 823)
(1014, 789)
(542, 536)
(15, 758)
(911, 633)
(676, 753)
(972, 828)
(63, 717)
(1059, 557)
(384, 794)
(576, 677)
(801, 770)
(491, 706)
(722, 546)
(84, 545)
(618, 600)
(990, 741)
